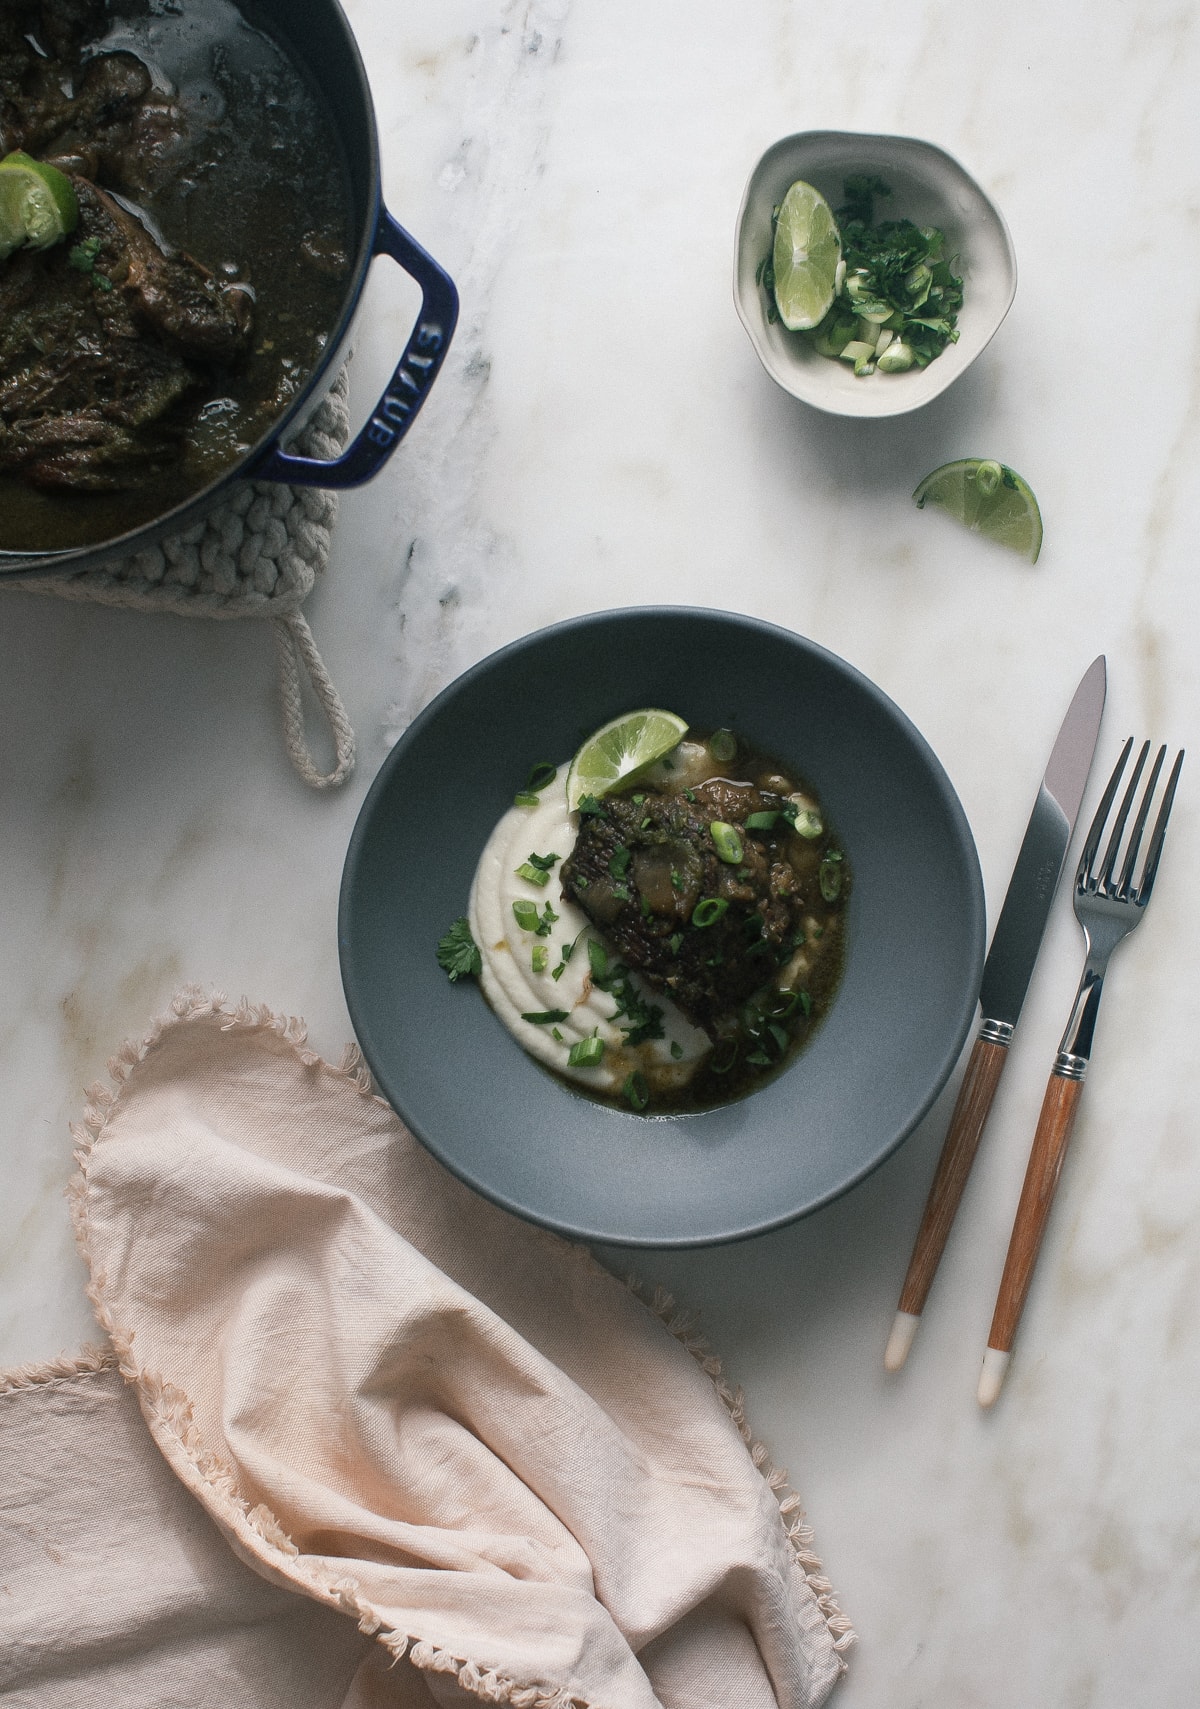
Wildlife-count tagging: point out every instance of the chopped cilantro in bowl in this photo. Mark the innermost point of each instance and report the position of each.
(897, 298)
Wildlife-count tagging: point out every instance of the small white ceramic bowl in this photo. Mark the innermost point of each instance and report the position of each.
(929, 188)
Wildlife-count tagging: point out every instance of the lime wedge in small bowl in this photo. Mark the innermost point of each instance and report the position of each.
(805, 258)
(620, 750)
(990, 499)
(37, 204)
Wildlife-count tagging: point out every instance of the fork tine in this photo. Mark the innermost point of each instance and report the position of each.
(1118, 830)
(1160, 831)
(1139, 824)
(1096, 829)
(1103, 879)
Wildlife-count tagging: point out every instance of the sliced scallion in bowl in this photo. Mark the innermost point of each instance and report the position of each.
(896, 296)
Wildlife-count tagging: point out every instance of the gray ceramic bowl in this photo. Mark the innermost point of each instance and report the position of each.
(523, 1137)
(928, 187)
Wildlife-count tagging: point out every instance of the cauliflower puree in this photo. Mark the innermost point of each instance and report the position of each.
(509, 952)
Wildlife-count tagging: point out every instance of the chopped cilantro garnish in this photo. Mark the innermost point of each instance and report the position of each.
(619, 863)
(591, 808)
(544, 862)
(546, 1017)
(676, 1049)
(639, 1020)
(458, 953)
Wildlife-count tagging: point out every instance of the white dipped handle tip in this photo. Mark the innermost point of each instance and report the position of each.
(991, 1378)
(900, 1340)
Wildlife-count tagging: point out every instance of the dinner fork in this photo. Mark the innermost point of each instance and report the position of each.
(1108, 905)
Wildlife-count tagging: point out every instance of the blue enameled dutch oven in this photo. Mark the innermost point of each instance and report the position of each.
(317, 36)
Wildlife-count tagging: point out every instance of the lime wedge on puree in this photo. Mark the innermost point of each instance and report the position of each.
(37, 204)
(989, 498)
(805, 259)
(619, 751)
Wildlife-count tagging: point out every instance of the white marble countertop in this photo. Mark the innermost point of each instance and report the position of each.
(603, 435)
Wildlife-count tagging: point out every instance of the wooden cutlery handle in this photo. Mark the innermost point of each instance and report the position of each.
(975, 1098)
(1037, 1195)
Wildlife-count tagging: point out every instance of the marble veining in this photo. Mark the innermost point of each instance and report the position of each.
(602, 435)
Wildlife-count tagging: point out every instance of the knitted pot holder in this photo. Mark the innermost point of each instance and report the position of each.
(257, 555)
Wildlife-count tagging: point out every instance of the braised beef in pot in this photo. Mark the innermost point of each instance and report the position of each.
(150, 348)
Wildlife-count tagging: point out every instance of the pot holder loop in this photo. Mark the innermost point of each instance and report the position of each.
(297, 653)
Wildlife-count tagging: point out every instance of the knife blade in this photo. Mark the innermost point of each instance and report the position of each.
(1007, 971)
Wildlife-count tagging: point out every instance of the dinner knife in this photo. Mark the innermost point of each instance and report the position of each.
(1006, 974)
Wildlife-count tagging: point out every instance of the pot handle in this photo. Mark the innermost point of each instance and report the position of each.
(406, 390)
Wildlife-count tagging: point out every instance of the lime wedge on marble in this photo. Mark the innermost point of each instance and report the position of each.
(990, 499)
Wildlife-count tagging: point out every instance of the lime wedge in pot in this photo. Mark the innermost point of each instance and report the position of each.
(620, 751)
(37, 204)
(990, 499)
(805, 258)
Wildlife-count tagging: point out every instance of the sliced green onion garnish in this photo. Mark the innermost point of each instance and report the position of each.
(542, 774)
(676, 941)
(586, 1053)
(676, 1049)
(726, 842)
(526, 915)
(546, 1017)
(808, 824)
(722, 745)
(896, 359)
(829, 875)
(724, 1057)
(524, 799)
(597, 959)
(533, 874)
(762, 821)
(708, 912)
(636, 1091)
(539, 957)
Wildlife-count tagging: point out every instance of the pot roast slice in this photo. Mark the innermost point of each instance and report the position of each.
(101, 343)
(639, 869)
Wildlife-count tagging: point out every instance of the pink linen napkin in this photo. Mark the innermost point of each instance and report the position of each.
(404, 1404)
